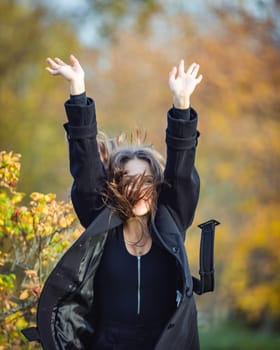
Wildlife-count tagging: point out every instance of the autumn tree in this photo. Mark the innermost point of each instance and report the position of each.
(31, 103)
(32, 238)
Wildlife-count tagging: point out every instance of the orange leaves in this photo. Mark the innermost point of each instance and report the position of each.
(42, 198)
(32, 238)
(9, 169)
(24, 295)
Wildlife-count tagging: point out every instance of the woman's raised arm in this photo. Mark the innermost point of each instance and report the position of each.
(181, 196)
(86, 167)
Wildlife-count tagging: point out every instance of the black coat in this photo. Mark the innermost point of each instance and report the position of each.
(65, 314)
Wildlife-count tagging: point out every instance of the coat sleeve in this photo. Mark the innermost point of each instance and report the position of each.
(181, 191)
(86, 167)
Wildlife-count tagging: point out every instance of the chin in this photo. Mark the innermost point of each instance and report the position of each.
(140, 212)
(141, 209)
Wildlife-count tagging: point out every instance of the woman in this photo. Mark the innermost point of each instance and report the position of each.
(125, 283)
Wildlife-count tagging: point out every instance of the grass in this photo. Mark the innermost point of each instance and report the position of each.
(235, 337)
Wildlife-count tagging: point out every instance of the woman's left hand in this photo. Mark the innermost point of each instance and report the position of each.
(72, 72)
(184, 84)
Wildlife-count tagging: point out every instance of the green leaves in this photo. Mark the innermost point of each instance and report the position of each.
(32, 238)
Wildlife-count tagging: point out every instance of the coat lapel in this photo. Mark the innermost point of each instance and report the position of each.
(105, 221)
(65, 275)
(171, 238)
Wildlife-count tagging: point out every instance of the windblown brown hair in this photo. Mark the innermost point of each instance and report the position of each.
(123, 192)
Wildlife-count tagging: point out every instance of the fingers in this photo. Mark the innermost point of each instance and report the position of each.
(192, 69)
(198, 80)
(60, 62)
(53, 69)
(55, 65)
(52, 63)
(172, 74)
(74, 61)
(181, 68)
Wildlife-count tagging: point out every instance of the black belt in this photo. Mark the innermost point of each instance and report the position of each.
(206, 269)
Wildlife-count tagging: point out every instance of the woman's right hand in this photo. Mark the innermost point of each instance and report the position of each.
(72, 72)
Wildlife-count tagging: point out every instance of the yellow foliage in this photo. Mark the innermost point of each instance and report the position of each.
(17, 197)
(24, 294)
(33, 237)
(253, 275)
(9, 169)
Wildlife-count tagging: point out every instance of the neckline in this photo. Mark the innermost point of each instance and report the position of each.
(127, 251)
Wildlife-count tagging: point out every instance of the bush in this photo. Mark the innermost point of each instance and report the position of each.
(32, 238)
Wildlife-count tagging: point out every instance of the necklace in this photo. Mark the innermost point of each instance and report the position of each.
(141, 240)
(139, 249)
(137, 243)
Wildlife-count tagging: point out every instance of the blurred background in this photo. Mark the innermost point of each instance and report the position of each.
(127, 49)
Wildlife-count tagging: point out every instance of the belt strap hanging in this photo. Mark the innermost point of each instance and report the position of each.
(31, 333)
(206, 269)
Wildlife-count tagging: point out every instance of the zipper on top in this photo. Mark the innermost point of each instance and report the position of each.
(138, 284)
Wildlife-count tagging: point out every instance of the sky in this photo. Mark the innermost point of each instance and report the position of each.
(252, 6)
(88, 29)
